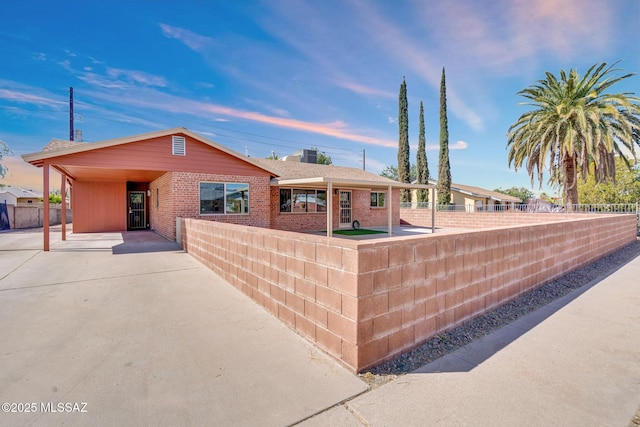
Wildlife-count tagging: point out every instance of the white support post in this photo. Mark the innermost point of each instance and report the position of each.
(390, 211)
(45, 199)
(63, 207)
(330, 209)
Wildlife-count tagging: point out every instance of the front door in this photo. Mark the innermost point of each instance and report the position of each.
(345, 209)
(137, 219)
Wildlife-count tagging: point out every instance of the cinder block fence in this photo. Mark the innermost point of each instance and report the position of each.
(365, 302)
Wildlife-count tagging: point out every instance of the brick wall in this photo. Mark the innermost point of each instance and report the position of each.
(366, 301)
(361, 211)
(179, 196)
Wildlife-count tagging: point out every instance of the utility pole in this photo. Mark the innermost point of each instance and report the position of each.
(363, 159)
(71, 133)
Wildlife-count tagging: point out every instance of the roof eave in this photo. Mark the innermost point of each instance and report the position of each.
(346, 182)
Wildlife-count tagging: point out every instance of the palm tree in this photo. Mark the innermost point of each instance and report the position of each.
(576, 124)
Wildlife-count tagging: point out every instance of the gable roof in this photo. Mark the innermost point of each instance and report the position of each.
(300, 173)
(58, 147)
(481, 192)
(21, 194)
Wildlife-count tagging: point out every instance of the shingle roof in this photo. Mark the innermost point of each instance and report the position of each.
(20, 193)
(298, 170)
(481, 192)
(59, 144)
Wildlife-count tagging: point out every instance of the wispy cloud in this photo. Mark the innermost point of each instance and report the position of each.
(459, 145)
(416, 57)
(193, 41)
(23, 94)
(364, 90)
(138, 77)
(505, 42)
(113, 78)
(155, 100)
(268, 107)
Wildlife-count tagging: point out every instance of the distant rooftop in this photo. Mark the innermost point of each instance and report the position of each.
(59, 144)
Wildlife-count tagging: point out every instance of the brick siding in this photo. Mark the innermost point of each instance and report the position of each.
(179, 196)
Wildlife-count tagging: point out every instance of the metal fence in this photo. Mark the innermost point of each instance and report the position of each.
(535, 207)
(627, 208)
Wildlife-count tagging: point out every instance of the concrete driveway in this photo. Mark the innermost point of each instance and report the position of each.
(127, 329)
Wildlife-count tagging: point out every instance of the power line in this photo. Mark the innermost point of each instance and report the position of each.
(293, 145)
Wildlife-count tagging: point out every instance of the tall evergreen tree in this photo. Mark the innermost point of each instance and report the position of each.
(421, 161)
(404, 163)
(444, 170)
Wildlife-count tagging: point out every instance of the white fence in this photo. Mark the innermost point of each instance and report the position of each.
(626, 208)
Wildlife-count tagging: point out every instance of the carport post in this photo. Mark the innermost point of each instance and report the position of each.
(390, 211)
(329, 209)
(45, 199)
(433, 211)
(63, 208)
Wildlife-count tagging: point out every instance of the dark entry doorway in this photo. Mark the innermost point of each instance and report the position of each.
(137, 205)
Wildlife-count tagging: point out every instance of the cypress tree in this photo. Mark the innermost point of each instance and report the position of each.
(421, 161)
(404, 165)
(444, 170)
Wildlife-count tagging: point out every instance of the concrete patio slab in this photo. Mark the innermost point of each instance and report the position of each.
(147, 337)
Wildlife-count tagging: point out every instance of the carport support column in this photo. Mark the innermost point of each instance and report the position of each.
(390, 211)
(433, 210)
(329, 209)
(45, 199)
(63, 208)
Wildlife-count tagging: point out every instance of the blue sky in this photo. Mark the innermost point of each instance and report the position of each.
(280, 75)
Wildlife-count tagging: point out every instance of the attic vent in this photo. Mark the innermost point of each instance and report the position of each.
(178, 145)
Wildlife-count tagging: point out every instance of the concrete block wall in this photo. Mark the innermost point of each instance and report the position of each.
(308, 282)
(365, 302)
(413, 288)
(474, 220)
(26, 216)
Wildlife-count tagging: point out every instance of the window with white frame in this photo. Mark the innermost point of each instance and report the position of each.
(377, 199)
(224, 198)
(302, 200)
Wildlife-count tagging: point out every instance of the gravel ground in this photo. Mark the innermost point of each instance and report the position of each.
(450, 341)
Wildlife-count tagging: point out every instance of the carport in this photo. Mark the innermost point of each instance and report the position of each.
(109, 189)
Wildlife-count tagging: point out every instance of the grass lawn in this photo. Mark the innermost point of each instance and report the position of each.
(358, 232)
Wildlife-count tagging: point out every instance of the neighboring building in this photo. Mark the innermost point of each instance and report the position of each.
(16, 196)
(146, 181)
(476, 198)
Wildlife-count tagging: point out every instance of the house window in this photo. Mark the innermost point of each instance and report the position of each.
(237, 198)
(285, 200)
(157, 197)
(377, 199)
(300, 200)
(178, 145)
(224, 198)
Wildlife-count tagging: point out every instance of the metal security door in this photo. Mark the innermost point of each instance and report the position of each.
(137, 210)
(345, 209)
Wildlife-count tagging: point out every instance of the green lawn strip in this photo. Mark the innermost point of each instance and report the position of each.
(358, 232)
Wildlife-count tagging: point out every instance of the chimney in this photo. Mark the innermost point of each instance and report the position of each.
(78, 134)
